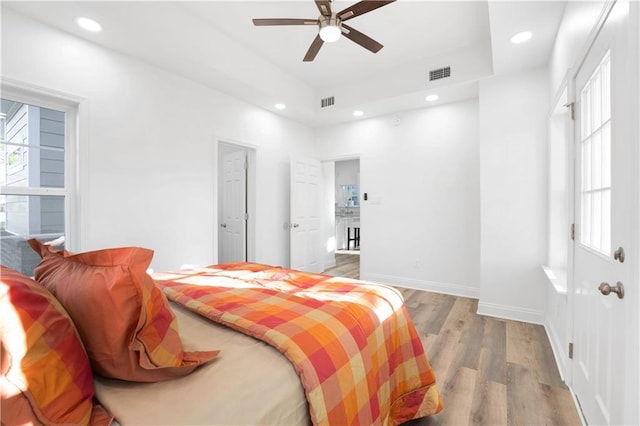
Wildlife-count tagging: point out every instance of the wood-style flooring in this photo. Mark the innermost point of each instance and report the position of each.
(489, 371)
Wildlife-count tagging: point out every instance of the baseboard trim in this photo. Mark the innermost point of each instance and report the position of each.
(510, 312)
(559, 351)
(578, 407)
(560, 354)
(436, 287)
(329, 265)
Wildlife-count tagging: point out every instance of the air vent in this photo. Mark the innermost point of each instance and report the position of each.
(327, 102)
(439, 73)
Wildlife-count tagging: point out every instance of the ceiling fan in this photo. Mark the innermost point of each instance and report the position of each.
(331, 25)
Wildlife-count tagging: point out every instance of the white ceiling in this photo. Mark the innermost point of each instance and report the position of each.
(215, 43)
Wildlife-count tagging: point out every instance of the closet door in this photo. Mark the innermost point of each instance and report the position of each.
(304, 226)
(233, 223)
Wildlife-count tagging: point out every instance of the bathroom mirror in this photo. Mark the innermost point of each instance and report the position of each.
(349, 196)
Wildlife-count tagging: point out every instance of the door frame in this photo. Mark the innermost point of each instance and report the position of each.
(561, 106)
(251, 152)
(335, 159)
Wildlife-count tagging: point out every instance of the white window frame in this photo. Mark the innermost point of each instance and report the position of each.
(70, 105)
(603, 246)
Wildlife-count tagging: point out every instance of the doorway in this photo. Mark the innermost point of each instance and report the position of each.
(347, 203)
(235, 202)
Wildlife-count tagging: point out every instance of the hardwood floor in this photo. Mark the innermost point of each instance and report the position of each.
(490, 371)
(347, 265)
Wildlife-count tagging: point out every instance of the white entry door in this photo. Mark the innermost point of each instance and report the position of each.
(304, 226)
(605, 192)
(233, 220)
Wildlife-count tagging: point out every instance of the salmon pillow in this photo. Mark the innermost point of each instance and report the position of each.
(46, 377)
(124, 320)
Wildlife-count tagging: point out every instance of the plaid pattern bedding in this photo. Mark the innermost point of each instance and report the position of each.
(352, 343)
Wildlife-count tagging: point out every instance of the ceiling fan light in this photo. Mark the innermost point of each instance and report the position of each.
(329, 34)
(330, 29)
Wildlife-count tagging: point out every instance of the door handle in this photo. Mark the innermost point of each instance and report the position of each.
(223, 225)
(606, 289)
(294, 225)
(619, 255)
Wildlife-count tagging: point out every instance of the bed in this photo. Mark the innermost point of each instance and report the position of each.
(289, 347)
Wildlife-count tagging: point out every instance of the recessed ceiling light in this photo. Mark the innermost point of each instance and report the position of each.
(280, 106)
(431, 98)
(521, 37)
(358, 113)
(89, 24)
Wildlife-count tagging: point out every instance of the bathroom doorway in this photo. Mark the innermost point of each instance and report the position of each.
(348, 232)
(347, 206)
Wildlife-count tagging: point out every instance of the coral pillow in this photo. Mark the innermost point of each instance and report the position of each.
(46, 376)
(124, 320)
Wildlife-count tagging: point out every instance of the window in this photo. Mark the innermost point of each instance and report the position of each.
(595, 151)
(34, 175)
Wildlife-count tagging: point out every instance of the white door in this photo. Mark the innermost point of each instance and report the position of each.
(304, 226)
(605, 193)
(233, 219)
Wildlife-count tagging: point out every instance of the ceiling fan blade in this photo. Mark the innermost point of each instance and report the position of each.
(313, 49)
(324, 6)
(361, 39)
(284, 21)
(361, 8)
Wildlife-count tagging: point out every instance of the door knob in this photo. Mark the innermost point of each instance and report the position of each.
(294, 225)
(223, 225)
(606, 289)
(619, 255)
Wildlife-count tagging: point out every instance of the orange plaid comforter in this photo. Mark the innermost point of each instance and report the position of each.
(352, 343)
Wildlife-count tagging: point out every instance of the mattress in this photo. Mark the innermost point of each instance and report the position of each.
(249, 383)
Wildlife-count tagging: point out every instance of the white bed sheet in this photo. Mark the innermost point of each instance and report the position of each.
(249, 383)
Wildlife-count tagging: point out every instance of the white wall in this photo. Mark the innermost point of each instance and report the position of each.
(513, 175)
(458, 195)
(421, 225)
(148, 148)
(577, 22)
